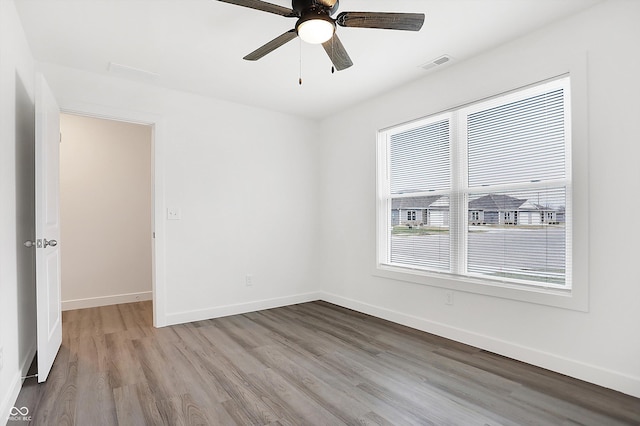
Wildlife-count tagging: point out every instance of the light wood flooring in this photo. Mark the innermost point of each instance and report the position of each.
(307, 364)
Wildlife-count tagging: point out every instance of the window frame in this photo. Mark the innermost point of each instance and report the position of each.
(570, 297)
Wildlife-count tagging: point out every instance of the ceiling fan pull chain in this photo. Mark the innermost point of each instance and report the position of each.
(333, 56)
(300, 65)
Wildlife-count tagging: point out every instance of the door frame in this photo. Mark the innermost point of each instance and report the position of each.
(157, 192)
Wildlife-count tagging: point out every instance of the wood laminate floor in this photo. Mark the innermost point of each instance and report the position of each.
(307, 364)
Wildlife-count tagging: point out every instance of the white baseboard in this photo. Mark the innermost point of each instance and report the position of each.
(627, 384)
(94, 302)
(239, 308)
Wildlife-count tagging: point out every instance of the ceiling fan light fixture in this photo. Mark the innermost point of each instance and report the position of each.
(316, 30)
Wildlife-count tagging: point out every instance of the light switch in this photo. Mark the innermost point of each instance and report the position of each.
(173, 214)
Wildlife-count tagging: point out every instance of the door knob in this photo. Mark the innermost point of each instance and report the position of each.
(51, 243)
(29, 243)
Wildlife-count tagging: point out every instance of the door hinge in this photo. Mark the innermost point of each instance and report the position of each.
(38, 243)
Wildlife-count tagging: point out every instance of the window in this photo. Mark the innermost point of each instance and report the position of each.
(493, 180)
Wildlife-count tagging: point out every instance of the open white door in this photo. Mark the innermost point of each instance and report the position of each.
(47, 163)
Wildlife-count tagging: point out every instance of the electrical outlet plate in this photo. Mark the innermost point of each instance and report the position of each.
(173, 214)
(248, 280)
(449, 298)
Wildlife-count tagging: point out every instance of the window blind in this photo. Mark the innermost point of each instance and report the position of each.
(419, 159)
(419, 164)
(522, 141)
(518, 235)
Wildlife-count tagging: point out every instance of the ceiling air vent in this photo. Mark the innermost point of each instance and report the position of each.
(435, 62)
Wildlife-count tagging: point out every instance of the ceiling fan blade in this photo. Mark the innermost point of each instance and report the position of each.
(271, 46)
(383, 20)
(337, 53)
(264, 6)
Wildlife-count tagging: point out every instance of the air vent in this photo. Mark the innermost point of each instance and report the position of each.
(131, 72)
(435, 62)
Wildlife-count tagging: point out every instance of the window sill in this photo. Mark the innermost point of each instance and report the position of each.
(574, 299)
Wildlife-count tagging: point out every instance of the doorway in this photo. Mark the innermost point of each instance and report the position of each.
(106, 211)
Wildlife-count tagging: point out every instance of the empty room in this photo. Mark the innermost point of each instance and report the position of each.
(319, 212)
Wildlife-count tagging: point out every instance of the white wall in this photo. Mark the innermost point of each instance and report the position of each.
(17, 309)
(245, 181)
(105, 211)
(601, 345)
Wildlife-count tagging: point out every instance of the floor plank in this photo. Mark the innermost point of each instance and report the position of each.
(307, 364)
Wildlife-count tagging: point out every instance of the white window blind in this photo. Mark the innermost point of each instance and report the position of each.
(502, 210)
(420, 159)
(521, 141)
(522, 144)
(420, 183)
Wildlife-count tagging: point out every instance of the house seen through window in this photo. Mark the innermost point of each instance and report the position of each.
(482, 191)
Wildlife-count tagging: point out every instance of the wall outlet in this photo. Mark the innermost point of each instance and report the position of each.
(174, 214)
(1, 358)
(448, 298)
(248, 280)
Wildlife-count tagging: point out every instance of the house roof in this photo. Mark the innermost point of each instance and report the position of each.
(414, 202)
(496, 202)
(489, 202)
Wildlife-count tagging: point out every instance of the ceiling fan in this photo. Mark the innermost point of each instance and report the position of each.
(315, 25)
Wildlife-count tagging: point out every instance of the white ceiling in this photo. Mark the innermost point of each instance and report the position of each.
(198, 45)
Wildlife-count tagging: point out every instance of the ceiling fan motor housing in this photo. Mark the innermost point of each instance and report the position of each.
(314, 7)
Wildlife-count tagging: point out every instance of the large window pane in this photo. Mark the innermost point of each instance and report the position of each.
(420, 232)
(518, 235)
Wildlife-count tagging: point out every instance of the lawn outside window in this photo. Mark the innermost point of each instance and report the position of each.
(482, 193)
